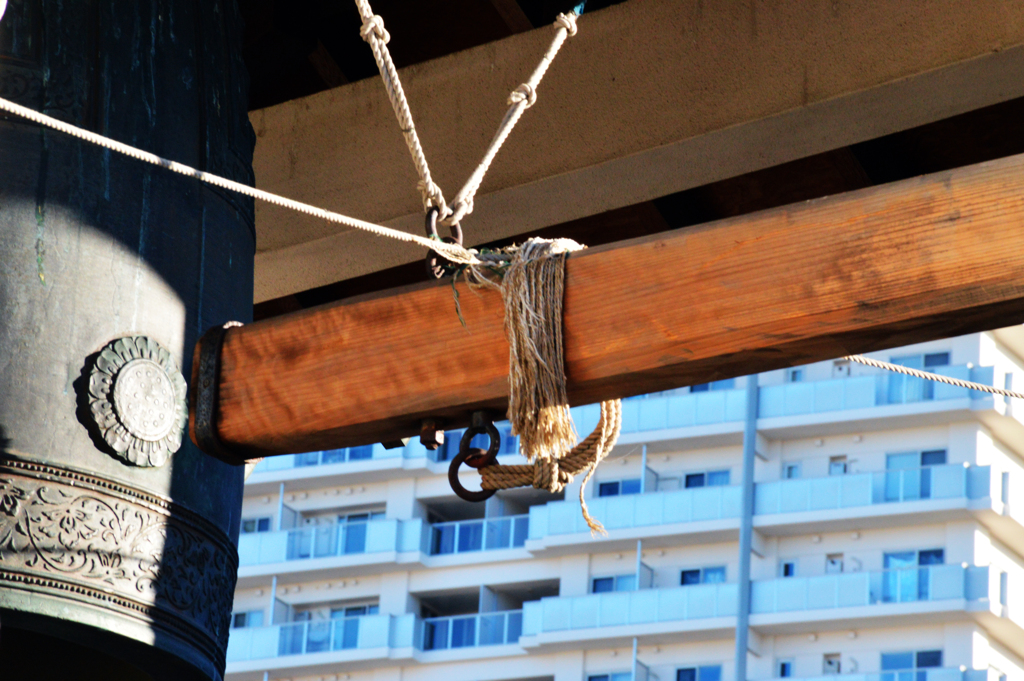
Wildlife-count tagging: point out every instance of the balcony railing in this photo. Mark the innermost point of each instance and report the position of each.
(860, 392)
(864, 489)
(629, 607)
(320, 636)
(636, 510)
(935, 674)
(333, 456)
(466, 536)
(466, 631)
(335, 539)
(853, 589)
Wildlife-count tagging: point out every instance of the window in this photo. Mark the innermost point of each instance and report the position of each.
(907, 661)
(708, 575)
(727, 384)
(708, 673)
(790, 471)
(906, 577)
(252, 618)
(789, 569)
(908, 476)
(837, 465)
(617, 676)
(707, 479)
(794, 375)
(785, 669)
(833, 563)
(841, 368)
(614, 489)
(617, 583)
(936, 359)
(832, 663)
(250, 525)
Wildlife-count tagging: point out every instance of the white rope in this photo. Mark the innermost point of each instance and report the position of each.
(452, 252)
(376, 35)
(521, 99)
(970, 385)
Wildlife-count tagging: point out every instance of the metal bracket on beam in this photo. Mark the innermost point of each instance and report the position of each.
(203, 394)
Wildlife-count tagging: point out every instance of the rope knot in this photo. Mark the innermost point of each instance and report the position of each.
(568, 22)
(523, 93)
(432, 197)
(375, 26)
(549, 475)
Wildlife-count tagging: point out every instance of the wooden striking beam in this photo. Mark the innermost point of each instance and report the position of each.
(926, 258)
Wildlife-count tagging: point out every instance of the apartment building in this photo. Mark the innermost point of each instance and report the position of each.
(887, 542)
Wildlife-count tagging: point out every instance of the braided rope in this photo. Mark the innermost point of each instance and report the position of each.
(374, 33)
(553, 474)
(938, 378)
(521, 99)
(453, 252)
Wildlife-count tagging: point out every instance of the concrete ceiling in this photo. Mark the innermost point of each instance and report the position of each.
(651, 99)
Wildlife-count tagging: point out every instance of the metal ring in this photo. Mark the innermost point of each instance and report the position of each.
(431, 226)
(489, 457)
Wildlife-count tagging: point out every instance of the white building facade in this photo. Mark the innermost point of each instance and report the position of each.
(887, 542)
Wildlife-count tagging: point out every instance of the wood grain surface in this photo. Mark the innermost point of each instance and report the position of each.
(927, 258)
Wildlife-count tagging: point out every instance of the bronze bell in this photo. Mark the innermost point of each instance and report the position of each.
(117, 535)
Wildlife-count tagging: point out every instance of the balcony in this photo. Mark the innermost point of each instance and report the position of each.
(856, 589)
(553, 522)
(470, 536)
(862, 392)
(470, 631)
(937, 674)
(950, 481)
(375, 452)
(325, 541)
(574, 618)
(373, 634)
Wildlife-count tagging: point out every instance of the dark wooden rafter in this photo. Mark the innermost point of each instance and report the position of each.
(917, 260)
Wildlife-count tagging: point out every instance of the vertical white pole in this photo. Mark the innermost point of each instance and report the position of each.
(280, 506)
(273, 599)
(643, 469)
(746, 529)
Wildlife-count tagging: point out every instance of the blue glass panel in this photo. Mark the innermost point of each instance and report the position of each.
(929, 658)
(307, 459)
(521, 531)
(715, 575)
(604, 585)
(608, 489)
(319, 637)
(360, 453)
(333, 456)
(498, 534)
(686, 675)
(515, 627)
(435, 635)
(355, 538)
(694, 480)
(710, 673)
(463, 632)
(471, 536)
(443, 540)
(349, 635)
(690, 577)
(897, 661)
(718, 478)
(630, 486)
